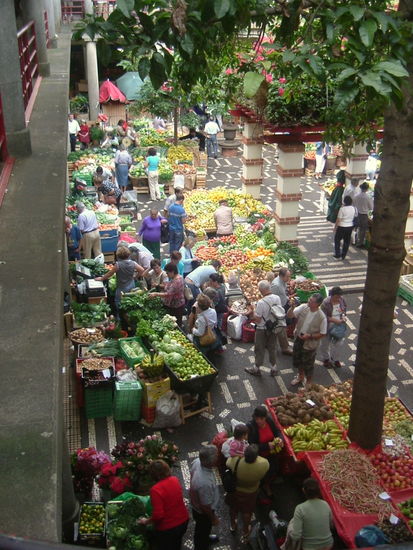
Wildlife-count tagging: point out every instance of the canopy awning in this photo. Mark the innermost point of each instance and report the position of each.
(109, 92)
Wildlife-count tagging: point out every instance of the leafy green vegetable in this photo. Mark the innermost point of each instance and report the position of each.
(89, 314)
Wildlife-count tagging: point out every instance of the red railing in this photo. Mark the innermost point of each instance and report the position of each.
(3, 142)
(72, 9)
(29, 63)
(46, 28)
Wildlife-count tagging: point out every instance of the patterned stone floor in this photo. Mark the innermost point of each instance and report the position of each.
(235, 393)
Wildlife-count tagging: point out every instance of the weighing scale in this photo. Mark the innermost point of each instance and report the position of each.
(94, 288)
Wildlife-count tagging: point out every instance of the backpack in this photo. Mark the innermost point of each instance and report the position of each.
(229, 478)
(277, 318)
(164, 232)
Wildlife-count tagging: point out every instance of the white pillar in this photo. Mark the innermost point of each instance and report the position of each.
(57, 8)
(89, 7)
(356, 164)
(35, 10)
(252, 161)
(288, 195)
(51, 18)
(92, 78)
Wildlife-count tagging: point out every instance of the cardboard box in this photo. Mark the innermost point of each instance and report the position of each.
(152, 391)
(189, 182)
(82, 86)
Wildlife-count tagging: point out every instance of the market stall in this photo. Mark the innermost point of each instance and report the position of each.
(362, 488)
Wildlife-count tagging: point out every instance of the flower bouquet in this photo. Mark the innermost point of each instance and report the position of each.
(86, 465)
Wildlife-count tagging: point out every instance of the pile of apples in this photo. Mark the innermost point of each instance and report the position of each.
(395, 472)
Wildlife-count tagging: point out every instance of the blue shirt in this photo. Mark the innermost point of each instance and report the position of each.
(180, 265)
(73, 238)
(176, 215)
(153, 163)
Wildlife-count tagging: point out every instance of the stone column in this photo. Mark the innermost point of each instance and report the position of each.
(356, 164)
(57, 8)
(35, 11)
(51, 18)
(288, 195)
(89, 7)
(92, 78)
(18, 136)
(252, 161)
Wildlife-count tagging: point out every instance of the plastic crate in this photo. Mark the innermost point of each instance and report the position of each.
(92, 538)
(127, 401)
(131, 361)
(304, 295)
(108, 233)
(110, 244)
(405, 295)
(98, 402)
(148, 413)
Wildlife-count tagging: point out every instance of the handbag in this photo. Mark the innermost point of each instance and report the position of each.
(209, 337)
(189, 295)
(229, 478)
(164, 232)
(338, 331)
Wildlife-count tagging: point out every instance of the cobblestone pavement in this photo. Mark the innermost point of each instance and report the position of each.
(235, 393)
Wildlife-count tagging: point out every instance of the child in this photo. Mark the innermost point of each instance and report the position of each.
(239, 443)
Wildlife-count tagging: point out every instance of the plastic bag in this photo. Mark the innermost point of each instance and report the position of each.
(130, 196)
(234, 326)
(370, 535)
(168, 414)
(127, 375)
(100, 259)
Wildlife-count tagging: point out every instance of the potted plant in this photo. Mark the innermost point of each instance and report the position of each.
(96, 134)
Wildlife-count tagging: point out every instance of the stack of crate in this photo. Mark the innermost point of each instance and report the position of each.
(152, 391)
(127, 400)
(200, 182)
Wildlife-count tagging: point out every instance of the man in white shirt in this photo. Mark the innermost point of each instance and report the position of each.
(224, 219)
(89, 227)
(211, 129)
(140, 254)
(311, 327)
(364, 204)
(352, 190)
(264, 339)
(74, 129)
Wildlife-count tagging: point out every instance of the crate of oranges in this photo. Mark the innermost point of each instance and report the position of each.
(92, 523)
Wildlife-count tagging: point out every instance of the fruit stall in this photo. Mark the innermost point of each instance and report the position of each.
(362, 488)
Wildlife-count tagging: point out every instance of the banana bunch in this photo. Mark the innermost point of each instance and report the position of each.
(316, 436)
(153, 366)
(278, 445)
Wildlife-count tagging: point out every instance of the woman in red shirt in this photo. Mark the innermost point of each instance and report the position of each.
(169, 513)
(84, 135)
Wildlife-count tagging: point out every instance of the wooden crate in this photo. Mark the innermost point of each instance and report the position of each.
(109, 257)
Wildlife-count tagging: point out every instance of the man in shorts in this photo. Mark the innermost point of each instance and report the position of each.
(311, 327)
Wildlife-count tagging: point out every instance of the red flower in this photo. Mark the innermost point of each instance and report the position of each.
(281, 91)
(282, 80)
(119, 484)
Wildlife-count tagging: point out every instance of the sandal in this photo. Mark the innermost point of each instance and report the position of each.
(253, 370)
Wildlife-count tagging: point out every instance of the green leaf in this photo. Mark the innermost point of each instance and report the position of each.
(330, 31)
(316, 64)
(252, 81)
(345, 74)
(187, 45)
(393, 67)
(393, 81)
(288, 56)
(344, 96)
(157, 72)
(373, 80)
(221, 8)
(144, 67)
(382, 20)
(357, 12)
(125, 6)
(367, 31)
(266, 65)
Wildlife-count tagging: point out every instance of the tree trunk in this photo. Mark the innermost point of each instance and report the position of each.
(176, 120)
(386, 254)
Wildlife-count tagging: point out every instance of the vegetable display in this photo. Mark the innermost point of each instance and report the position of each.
(354, 483)
(123, 530)
(107, 348)
(97, 364)
(86, 335)
(179, 153)
(294, 408)
(395, 533)
(89, 314)
(396, 472)
(182, 356)
(406, 508)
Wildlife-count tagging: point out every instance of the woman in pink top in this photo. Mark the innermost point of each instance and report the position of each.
(173, 297)
(224, 219)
